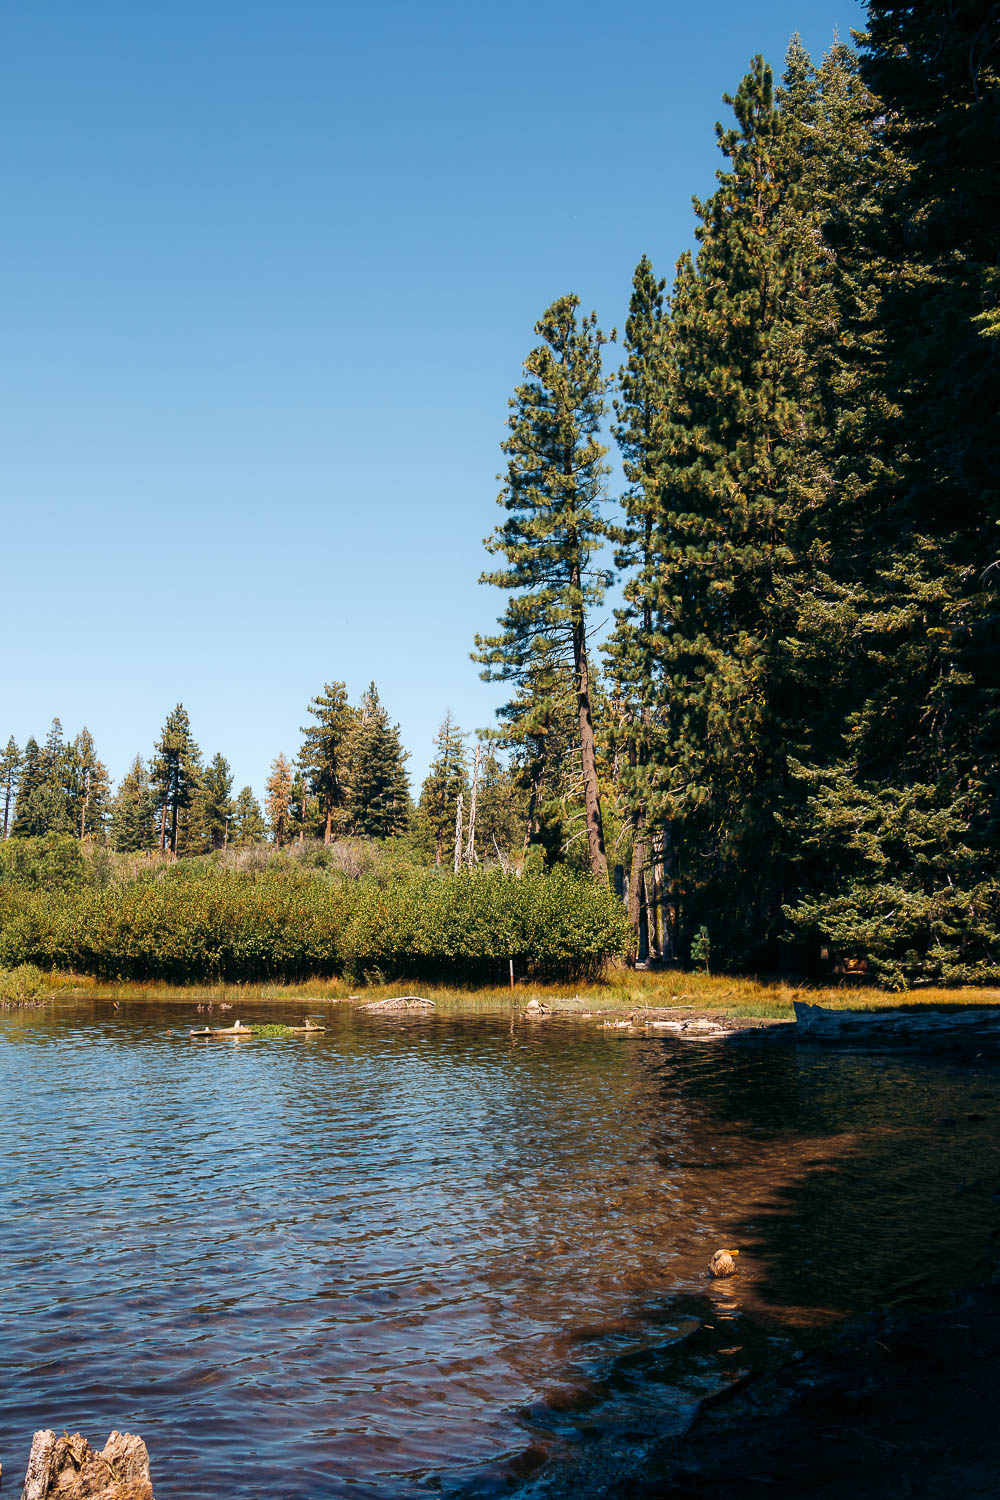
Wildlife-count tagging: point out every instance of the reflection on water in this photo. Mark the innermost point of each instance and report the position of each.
(421, 1253)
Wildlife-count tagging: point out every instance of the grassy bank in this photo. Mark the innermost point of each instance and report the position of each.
(619, 990)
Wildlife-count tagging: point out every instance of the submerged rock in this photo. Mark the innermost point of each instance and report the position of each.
(67, 1468)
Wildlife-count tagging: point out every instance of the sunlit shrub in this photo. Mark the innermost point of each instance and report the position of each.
(195, 922)
(23, 983)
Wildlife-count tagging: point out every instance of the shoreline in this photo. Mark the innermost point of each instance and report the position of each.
(743, 1003)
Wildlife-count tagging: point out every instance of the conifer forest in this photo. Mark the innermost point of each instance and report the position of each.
(780, 480)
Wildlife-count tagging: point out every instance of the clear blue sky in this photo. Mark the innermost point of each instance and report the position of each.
(270, 272)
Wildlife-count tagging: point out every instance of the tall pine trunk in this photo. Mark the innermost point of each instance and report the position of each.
(588, 755)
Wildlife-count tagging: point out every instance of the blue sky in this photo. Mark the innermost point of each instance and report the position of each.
(270, 274)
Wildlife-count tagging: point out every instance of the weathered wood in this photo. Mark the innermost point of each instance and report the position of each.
(827, 1024)
(67, 1468)
(236, 1030)
(400, 1002)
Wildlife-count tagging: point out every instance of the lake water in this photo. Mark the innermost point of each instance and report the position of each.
(421, 1255)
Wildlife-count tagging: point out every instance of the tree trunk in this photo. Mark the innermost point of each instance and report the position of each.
(163, 829)
(459, 809)
(470, 844)
(638, 912)
(591, 792)
(328, 826)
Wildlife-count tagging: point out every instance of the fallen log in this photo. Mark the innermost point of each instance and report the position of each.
(921, 1022)
(400, 1002)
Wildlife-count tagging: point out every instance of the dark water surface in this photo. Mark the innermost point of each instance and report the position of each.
(419, 1255)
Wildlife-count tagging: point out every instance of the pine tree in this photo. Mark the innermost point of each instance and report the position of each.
(30, 776)
(133, 813)
(45, 798)
(175, 772)
(279, 798)
(90, 787)
(554, 528)
(640, 431)
(10, 777)
(735, 559)
(501, 811)
(379, 790)
(215, 802)
(248, 826)
(446, 780)
(539, 726)
(302, 814)
(905, 820)
(323, 750)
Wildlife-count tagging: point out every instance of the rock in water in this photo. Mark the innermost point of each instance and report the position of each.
(722, 1263)
(67, 1468)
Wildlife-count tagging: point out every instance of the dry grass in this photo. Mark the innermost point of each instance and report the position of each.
(622, 989)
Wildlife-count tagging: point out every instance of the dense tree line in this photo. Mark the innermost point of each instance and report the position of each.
(799, 720)
(347, 781)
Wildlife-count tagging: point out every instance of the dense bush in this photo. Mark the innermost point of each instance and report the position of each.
(199, 922)
(55, 862)
(179, 926)
(26, 982)
(468, 926)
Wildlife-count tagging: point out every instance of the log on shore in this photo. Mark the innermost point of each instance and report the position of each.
(921, 1023)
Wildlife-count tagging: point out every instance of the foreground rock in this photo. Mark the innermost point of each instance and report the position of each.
(67, 1468)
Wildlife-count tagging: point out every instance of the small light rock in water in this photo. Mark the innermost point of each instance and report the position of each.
(722, 1263)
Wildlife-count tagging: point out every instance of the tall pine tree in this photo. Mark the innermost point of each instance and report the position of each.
(554, 529)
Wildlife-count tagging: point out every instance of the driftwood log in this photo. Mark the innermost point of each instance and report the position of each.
(922, 1022)
(67, 1468)
(400, 1002)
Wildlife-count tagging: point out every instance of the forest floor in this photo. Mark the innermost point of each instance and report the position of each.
(721, 997)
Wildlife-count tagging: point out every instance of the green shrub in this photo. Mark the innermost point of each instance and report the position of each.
(468, 926)
(26, 982)
(199, 921)
(53, 863)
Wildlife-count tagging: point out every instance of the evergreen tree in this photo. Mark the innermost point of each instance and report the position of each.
(640, 431)
(323, 750)
(447, 780)
(45, 798)
(133, 813)
(215, 802)
(30, 776)
(736, 558)
(175, 772)
(539, 726)
(380, 794)
(248, 826)
(89, 787)
(904, 818)
(302, 814)
(279, 798)
(554, 528)
(500, 812)
(10, 777)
